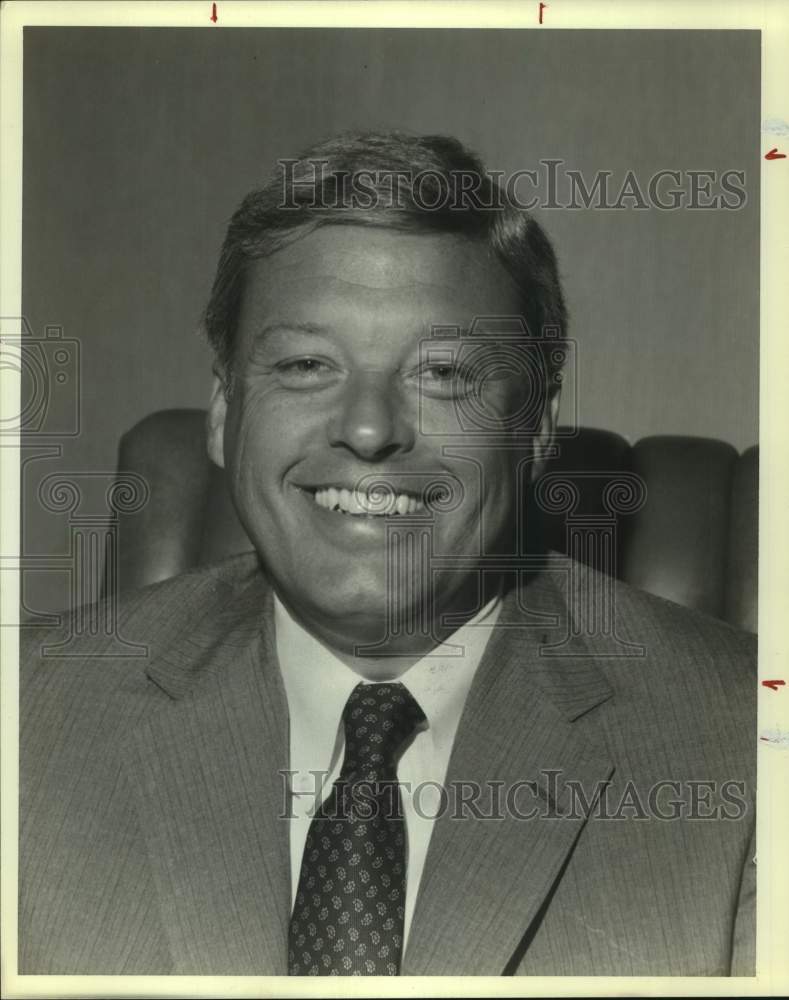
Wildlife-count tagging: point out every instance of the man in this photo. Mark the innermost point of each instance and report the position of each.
(393, 741)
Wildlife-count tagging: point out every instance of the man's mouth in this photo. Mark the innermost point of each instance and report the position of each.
(361, 503)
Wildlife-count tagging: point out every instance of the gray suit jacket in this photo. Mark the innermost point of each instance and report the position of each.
(151, 799)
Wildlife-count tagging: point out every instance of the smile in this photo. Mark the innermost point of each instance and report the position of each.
(358, 503)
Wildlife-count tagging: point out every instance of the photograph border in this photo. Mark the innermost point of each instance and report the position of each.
(772, 20)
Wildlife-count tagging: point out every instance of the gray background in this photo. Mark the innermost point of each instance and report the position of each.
(139, 143)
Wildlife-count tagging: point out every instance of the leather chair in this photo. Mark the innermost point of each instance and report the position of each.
(693, 539)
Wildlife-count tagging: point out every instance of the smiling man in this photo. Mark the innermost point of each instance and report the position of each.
(390, 741)
(329, 388)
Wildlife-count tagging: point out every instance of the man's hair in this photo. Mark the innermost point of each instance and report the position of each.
(393, 180)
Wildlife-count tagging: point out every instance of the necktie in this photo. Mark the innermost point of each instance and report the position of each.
(350, 902)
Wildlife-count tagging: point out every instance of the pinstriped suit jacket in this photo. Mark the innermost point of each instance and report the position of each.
(152, 837)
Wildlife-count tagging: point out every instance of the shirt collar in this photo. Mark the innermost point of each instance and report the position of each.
(317, 683)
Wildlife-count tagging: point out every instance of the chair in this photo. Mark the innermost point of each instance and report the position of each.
(694, 540)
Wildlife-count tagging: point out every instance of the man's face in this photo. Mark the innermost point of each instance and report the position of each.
(333, 387)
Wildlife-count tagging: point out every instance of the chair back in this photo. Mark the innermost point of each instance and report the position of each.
(694, 540)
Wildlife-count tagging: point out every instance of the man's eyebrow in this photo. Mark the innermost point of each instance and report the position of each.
(289, 326)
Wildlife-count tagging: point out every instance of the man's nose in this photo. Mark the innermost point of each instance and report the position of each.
(371, 419)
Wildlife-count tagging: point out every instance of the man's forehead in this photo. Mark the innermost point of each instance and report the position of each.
(381, 259)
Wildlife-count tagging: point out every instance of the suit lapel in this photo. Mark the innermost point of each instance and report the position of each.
(206, 771)
(211, 799)
(486, 880)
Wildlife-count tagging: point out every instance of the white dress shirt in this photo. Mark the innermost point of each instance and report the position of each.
(318, 684)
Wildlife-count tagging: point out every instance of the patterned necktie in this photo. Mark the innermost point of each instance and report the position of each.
(350, 903)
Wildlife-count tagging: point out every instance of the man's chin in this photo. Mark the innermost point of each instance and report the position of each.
(352, 613)
(353, 610)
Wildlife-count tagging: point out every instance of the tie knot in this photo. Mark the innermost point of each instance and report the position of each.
(378, 719)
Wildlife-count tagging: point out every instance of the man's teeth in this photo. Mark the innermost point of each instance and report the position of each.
(373, 503)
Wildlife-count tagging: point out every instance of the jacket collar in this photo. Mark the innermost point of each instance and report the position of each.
(528, 727)
(207, 767)
(233, 616)
(536, 618)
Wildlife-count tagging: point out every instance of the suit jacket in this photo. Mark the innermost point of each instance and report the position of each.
(152, 837)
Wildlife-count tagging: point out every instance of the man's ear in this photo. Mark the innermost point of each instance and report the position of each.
(544, 439)
(215, 421)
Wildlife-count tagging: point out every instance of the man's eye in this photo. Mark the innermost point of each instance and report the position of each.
(298, 372)
(443, 373)
(302, 366)
(446, 380)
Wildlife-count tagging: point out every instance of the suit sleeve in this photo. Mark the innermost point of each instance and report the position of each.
(743, 958)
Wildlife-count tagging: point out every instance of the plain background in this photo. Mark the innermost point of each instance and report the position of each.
(139, 144)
